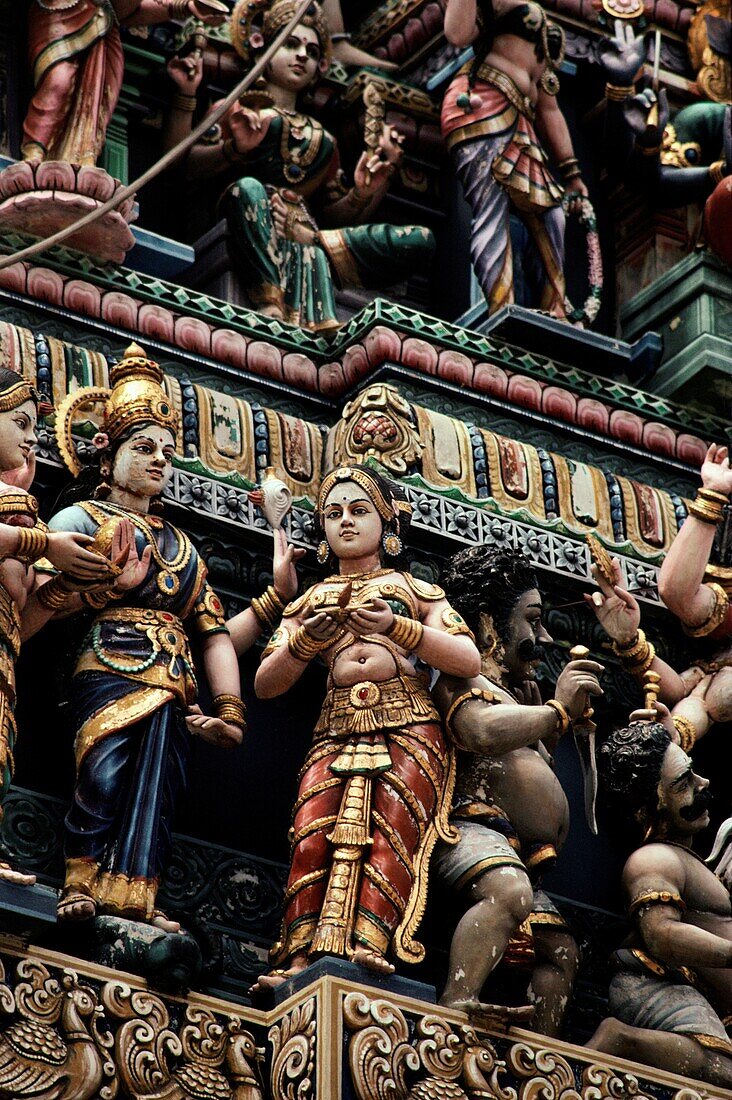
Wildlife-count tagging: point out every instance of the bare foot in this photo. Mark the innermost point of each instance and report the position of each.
(278, 977)
(18, 878)
(372, 960)
(500, 1017)
(75, 906)
(164, 923)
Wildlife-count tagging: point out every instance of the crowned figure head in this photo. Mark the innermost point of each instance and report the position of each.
(256, 23)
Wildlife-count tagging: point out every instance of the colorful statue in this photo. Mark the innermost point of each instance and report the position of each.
(509, 805)
(680, 943)
(77, 63)
(283, 179)
(695, 592)
(488, 119)
(134, 687)
(23, 540)
(376, 786)
(679, 161)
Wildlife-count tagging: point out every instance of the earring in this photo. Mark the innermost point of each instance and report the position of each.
(392, 544)
(104, 488)
(323, 552)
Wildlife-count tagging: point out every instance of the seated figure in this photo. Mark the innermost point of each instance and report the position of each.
(673, 983)
(282, 180)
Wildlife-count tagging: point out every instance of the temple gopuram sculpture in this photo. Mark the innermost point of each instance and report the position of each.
(365, 403)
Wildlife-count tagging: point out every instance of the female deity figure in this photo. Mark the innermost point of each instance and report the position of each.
(134, 686)
(376, 787)
(283, 180)
(23, 541)
(497, 110)
(77, 63)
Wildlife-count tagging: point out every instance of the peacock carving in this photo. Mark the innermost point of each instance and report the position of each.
(54, 1048)
(210, 1060)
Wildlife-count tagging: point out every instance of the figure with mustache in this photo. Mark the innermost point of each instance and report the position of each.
(509, 806)
(681, 937)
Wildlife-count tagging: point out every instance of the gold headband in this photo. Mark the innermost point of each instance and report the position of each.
(365, 481)
(18, 394)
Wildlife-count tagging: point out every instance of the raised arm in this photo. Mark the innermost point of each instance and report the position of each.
(266, 611)
(461, 22)
(680, 583)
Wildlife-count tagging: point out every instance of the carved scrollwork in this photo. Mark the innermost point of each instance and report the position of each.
(213, 1059)
(55, 1045)
(379, 1052)
(293, 1046)
(550, 1077)
(378, 424)
(603, 1083)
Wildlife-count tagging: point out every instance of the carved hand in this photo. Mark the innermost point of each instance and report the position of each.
(67, 550)
(715, 472)
(247, 128)
(187, 72)
(376, 617)
(637, 111)
(213, 730)
(622, 56)
(321, 626)
(283, 566)
(577, 681)
(124, 553)
(616, 609)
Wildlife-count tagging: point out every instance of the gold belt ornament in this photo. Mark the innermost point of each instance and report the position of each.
(369, 706)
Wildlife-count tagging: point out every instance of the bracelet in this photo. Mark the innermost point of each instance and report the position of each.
(569, 168)
(268, 608)
(619, 92)
(303, 646)
(687, 731)
(708, 506)
(231, 709)
(716, 616)
(650, 150)
(32, 545)
(407, 633)
(562, 717)
(182, 102)
(637, 657)
(716, 171)
(54, 595)
(340, 36)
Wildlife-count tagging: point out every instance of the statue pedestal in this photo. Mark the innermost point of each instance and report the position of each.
(39, 198)
(691, 307)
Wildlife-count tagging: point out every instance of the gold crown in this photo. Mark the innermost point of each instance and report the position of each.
(137, 395)
(267, 18)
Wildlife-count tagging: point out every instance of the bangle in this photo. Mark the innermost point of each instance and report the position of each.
(708, 506)
(303, 646)
(569, 168)
(54, 595)
(406, 633)
(619, 92)
(716, 616)
(32, 545)
(177, 8)
(230, 709)
(638, 656)
(340, 36)
(561, 715)
(268, 608)
(716, 171)
(183, 102)
(687, 732)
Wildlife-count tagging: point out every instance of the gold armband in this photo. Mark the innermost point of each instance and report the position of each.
(638, 656)
(619, 92)
(406, 633)
(468, 696)
(686, 730)
(268, 608)
(656, 897)
(708, 506)
(716, 171)
(54, 595)
(303, 646)
(32, 545)
(560, 711)
(716, 616)
(230, 709)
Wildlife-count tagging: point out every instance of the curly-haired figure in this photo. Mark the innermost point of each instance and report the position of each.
(680, 912)
(509, 806)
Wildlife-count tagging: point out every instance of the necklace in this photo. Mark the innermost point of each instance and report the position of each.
(300, 128)
(549, 79)
(166, 579)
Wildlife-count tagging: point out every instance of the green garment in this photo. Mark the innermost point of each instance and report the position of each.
(302, 161)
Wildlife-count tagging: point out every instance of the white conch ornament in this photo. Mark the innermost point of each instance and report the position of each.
(273, 497)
